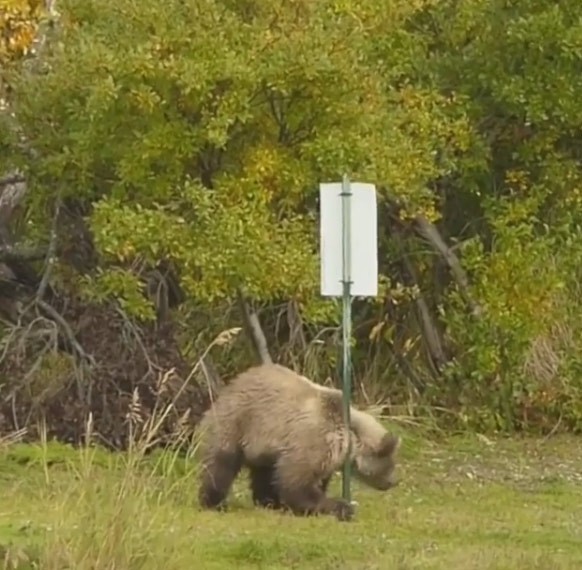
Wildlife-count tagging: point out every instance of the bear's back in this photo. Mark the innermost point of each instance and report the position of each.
(270, 409)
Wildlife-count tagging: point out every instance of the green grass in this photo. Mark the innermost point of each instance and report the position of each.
(469, 503)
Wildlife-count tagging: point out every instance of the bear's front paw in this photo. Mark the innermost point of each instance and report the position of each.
(343, 510)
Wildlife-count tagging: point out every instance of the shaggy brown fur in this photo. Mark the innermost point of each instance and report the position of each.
(290, 433)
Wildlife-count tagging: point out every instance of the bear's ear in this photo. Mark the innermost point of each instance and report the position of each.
(389, 446)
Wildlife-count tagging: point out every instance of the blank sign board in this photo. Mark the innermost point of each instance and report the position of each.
(363, 238)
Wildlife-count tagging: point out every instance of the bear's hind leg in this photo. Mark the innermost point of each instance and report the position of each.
(305, 495)
(219, 471)
(263, 486)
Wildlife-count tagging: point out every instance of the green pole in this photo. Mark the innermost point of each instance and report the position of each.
(346, 324)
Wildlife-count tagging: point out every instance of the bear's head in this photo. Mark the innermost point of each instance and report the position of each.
(374, 452)
(375, 466)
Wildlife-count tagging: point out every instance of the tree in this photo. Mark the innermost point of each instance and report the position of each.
(200, 132)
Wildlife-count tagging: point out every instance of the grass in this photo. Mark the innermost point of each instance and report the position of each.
(466, 503)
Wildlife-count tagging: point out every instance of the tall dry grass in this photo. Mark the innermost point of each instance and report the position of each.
(121, 513)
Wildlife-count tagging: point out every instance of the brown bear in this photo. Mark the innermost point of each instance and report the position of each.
(291, 435)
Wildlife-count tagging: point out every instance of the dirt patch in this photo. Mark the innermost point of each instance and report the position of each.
(512, 461)
(123, 376)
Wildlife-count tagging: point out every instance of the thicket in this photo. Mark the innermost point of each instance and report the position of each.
(155, 158)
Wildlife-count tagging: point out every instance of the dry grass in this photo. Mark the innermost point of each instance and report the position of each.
(471, 503)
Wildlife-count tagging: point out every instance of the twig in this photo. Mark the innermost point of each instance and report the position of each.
(13, 437)
(67, 329)
(7, 340)
(12, 178)
(429, 231)
(9, 253)
(554, 429)
(223, 338)
(295, 324)
(51, 252)
(11, 196)
(134, 329)
(254, 330)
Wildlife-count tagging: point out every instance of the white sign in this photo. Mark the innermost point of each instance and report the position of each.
(363, 238)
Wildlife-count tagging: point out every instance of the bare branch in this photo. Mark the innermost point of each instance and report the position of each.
(67, 330)
(9, 253)
(12, 178)
(51, 253)
(12, 192)
(430, 331)
(135, 331)
(429, 231)
(254, 330)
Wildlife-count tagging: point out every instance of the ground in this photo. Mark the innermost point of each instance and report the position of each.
(472, 503)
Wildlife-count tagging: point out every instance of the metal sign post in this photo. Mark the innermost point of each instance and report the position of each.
(346, 195)
(349, 266)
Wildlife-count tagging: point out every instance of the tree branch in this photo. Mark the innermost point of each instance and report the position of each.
(254, 330)
(9, 253)
(430, 331)
(429, 231)
(12, 191)
(12, 178)
(51, 252)
(52, 312)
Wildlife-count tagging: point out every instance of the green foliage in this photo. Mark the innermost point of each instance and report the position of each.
(124, 287)
(198, 133)
(204, 143)
(517, 64)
